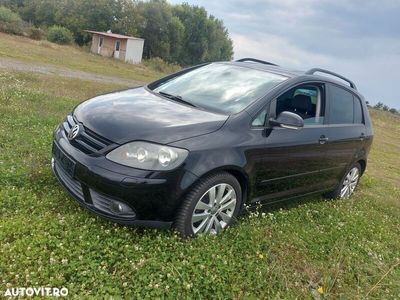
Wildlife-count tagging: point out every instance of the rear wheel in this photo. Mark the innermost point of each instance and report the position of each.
(348, 184)
(210, 206)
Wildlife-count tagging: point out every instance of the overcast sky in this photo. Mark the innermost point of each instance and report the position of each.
(359, 39)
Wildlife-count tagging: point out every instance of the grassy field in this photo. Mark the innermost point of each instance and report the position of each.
(305, 249)
(44, 52)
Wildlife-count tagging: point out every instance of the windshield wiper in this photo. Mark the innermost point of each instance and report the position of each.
(176, 98)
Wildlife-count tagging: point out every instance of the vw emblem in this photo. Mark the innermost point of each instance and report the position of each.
(73, 133)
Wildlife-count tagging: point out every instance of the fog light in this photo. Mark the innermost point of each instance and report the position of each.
(111, 206)
(116, 207)
(52, 162)
(120, 208)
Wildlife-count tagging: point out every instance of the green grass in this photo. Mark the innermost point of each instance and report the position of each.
(350, 249)
(73, 57)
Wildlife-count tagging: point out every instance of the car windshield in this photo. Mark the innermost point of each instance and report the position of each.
(220, 87)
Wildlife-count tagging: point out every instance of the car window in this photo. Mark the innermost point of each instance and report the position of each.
(221, 87)
(260, 119)
(341, 105)
(306, 100)
(358, 117)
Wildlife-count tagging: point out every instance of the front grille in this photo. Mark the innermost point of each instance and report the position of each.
(71, 184)
(87, 141)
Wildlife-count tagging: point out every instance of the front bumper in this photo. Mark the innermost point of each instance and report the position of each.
(97, 184)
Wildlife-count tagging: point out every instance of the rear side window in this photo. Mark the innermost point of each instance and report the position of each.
(358, 117)
(341, 105)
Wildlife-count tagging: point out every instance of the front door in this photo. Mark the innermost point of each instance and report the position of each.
(292, 159)
(117, 48)
(101, 41)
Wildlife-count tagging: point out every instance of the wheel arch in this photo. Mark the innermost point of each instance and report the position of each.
(236, 172)
(243, 181)
(363, 164)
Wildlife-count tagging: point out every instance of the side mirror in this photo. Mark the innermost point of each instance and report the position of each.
(288, 120)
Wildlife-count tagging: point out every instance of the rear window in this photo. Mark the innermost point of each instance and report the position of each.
(221, 87)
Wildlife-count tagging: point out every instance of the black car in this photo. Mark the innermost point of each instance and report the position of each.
(191, 150)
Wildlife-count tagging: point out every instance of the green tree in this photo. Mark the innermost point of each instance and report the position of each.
(205, 39)
(40, 12)
(157, 18)
(13, 4)
(182, 34)
(194, 19)
(176, 33)
(127, 18)
(79, 15)
(219, 44)
(10, 22)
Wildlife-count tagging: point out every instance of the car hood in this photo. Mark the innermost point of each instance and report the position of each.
(137, 114)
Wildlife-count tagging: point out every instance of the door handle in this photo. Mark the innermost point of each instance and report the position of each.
(323, 139)
(362, 136)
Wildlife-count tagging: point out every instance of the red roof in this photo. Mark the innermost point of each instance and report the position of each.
(114, 35)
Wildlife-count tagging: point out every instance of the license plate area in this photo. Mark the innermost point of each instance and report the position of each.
(63, 160)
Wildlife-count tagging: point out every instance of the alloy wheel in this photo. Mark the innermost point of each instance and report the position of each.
(349, 183)
(214, 210)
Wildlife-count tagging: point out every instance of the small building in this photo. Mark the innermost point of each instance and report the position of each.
(125, 48)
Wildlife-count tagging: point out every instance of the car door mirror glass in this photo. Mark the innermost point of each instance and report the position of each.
(288, 120)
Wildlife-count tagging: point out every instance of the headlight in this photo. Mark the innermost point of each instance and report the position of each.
(148, 156)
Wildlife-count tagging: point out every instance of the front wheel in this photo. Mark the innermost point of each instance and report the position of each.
(210, 206)
(348, 184)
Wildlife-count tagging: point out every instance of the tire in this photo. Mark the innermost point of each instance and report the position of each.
(349, 180)
(200, 215)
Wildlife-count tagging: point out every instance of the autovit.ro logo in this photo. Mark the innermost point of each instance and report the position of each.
(35, 292)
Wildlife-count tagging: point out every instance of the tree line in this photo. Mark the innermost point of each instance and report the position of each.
(385, 107)
(182, 34)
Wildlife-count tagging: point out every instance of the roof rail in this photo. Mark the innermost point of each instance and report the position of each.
(314, 70)
(256, 60)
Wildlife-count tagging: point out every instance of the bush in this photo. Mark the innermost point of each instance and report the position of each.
(36, 33)
(159, 65)
(10, 22)
(60, 35)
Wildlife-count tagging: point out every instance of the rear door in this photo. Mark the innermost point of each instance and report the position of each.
(346, 132)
